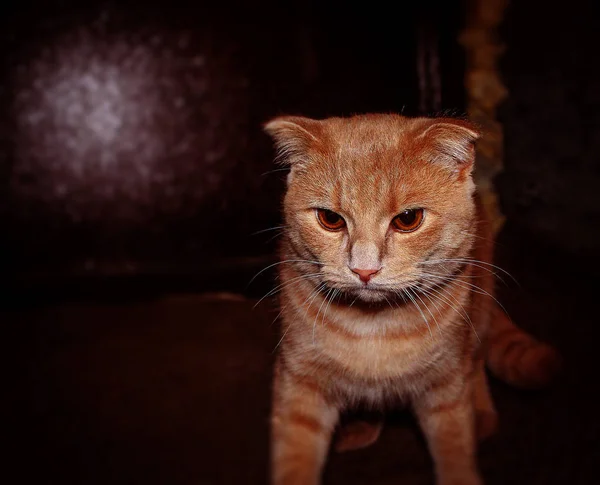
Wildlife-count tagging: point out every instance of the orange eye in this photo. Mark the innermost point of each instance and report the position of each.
(330, 220)
(408, 220)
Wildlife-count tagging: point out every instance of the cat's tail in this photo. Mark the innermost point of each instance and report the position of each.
(516, 357)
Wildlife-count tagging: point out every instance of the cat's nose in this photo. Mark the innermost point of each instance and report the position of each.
(364, 274)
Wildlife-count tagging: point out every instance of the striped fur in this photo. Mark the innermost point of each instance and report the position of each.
(421, 331)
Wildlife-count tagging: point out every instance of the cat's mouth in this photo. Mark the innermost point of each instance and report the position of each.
(413, 290)
(371, 294)
(417, 290)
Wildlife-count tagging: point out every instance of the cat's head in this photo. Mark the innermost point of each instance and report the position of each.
(377, 202)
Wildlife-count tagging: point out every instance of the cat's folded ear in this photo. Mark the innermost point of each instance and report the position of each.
(293, 137)
(451, 142)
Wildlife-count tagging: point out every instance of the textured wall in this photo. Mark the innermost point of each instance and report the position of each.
(130, 132)
(486, 92)
(552, 124)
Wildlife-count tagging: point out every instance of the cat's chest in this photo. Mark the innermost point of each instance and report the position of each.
(379, 370)
(380, 357)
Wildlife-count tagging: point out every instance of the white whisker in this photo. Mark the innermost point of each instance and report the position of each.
(407, 293)
(274, 228)
(427, 308)
(462, 312)
(285, 284)
(388, 302)
(275, 170)
(312, 297)
(282, 262)
(318, 312)
(335, 292)
(470, 287)
(401, 295)
(474, 262)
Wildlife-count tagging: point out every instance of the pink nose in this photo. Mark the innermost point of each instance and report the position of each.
(364, 274)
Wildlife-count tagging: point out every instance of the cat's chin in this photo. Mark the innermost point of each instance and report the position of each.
(370, 296)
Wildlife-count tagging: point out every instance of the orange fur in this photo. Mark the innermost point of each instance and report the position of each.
(420, 329)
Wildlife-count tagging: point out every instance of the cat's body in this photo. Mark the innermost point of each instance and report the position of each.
(387, 292)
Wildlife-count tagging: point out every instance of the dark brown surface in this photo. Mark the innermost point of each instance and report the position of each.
(130, 132)
(552, 123)
(176, 391)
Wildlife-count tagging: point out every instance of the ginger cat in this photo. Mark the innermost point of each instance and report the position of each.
(386, 293)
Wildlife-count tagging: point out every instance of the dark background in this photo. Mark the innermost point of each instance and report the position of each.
(133, 142)
(134, 174)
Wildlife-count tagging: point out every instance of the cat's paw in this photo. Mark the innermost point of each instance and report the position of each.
(356, 435)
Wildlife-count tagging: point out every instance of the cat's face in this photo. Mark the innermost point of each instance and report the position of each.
(376, 202)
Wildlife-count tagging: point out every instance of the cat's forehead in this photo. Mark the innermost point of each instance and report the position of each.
(368, 150)
(374, 161)
(368, 134)
(367, 177)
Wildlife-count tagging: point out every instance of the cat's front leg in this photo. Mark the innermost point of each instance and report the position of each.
(302, 426)
(447, 417)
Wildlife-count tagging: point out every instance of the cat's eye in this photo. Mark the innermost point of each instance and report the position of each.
(408, 220)
(330, 220)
